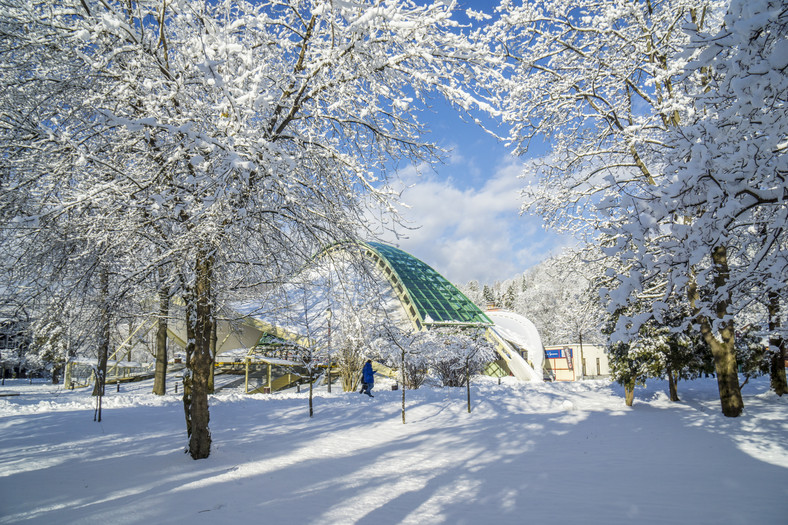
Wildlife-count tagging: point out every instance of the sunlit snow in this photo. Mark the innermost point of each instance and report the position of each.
(527, 453)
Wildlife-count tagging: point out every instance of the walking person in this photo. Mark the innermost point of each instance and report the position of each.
(367, 379)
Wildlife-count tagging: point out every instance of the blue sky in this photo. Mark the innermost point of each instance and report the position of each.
(466, 212)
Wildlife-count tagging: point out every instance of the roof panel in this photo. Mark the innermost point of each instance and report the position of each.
(433, 295)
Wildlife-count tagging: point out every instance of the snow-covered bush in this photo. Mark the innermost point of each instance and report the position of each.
(631, 365)
(404, 350)
(458, 353)
(351, 347)
(666, 348)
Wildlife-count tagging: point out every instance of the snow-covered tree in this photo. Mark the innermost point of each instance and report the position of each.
(672, 355)
(488, 297)
(14, 337)
(194, 126)
(474, 293)
(713, 229)
(509, 297)
(560, 296)
(52, 342)
(351, 349)
(636, 121)
(457, 354)
(310, 314)
(406, 350)
(594, 79)
(630, 366)
(752, 354)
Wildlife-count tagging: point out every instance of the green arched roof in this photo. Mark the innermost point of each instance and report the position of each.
(427, 296)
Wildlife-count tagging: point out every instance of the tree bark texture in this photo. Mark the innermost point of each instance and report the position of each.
(673, 386)
(311, 407)
(722, 348)
(629, 393)
(403, 387)
(727, 374)
(104, 328)
(214, 340)
(187, 402)
(777, 349)
(160, 374)
(187, 376)
(196, 406)
(468, 384)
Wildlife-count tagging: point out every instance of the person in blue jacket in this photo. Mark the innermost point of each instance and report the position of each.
(367, 379)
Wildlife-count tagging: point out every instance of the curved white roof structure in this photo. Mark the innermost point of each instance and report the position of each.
(521, 333)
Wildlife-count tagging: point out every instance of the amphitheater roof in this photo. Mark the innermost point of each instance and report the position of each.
(435, 299)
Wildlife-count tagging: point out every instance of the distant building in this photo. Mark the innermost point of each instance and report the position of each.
(417, 296)
(572, 362)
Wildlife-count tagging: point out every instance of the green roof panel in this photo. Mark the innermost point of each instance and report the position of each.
(436, 299)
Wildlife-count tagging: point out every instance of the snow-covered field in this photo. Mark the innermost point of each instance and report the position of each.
(528, 453)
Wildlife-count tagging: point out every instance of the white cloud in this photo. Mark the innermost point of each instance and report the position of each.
(469, 232)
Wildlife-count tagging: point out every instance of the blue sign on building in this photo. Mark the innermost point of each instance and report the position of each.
(558, 353)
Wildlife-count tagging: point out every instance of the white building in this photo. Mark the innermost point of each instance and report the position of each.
(572, 362)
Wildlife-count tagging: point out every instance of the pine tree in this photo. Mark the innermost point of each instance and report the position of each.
(488, 295)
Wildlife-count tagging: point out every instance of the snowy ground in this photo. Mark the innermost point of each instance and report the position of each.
(529, 453)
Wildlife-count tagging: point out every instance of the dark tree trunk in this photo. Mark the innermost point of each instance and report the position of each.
(403, 387)
(777, 366)
(311, 382)
(777, 347)
(328, 372)
(673, 385)
(160, 374)
(104, 327)
(187, 375)
(103, 347)
(196, 405)
(468, 383)
(724, 350)
(187, 402)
